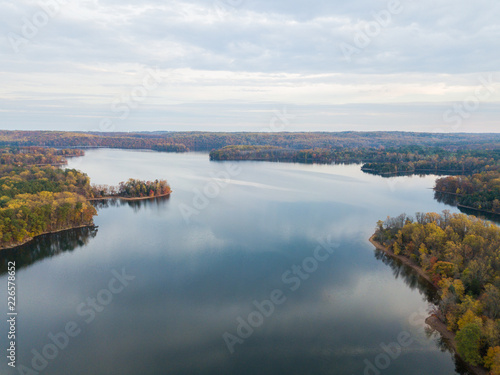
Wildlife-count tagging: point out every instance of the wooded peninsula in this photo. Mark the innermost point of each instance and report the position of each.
(37, 196)
(460, 254)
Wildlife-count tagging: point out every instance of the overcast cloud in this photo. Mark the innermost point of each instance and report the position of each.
(233, 64)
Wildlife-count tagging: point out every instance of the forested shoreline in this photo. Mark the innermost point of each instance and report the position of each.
(37, 197)
(460, 254)
(382, 161)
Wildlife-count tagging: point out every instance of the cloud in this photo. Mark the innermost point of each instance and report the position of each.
(86, 54)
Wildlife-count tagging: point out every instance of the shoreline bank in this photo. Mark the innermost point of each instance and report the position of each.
(27, 240)
(479, 210)
(403, 260)
(435, 323)
(432, 321)
(129, 199)
(9, 247)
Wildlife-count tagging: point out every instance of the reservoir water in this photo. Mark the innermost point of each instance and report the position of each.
(247, 268)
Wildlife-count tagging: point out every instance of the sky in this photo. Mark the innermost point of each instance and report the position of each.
(250, 65)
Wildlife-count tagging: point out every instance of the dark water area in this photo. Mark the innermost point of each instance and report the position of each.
(247, 268)
(46, 246)
(451, 200)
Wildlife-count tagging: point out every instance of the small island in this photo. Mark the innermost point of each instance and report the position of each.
(131, 189)
(460, 256)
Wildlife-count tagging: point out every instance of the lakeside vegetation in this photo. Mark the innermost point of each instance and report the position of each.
(461, 256)
(37, 197)
(80, 139)
(382, 161)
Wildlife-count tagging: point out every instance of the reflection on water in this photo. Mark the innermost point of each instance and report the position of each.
(47, 245)
(448, 199)
(400, 174)
(155, 202)
(409, 276)
(426, 289)
(451, 200)
(461, 367)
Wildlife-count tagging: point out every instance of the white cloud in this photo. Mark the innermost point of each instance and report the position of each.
(249, 52)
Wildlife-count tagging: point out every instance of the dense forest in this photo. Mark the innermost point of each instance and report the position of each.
(435, 161)
(207, 141)
(461, 255)
(36, 156)
(37, 197)
(384, 160)
(480, 191)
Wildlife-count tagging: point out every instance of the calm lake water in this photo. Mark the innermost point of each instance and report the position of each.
(191, 268)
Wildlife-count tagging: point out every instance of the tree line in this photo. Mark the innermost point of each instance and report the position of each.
(392, 160)
(36, 156)
(79, 139)
(461, 255)
(207, 141)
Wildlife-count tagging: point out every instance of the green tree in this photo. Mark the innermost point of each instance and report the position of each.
(469, 343)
